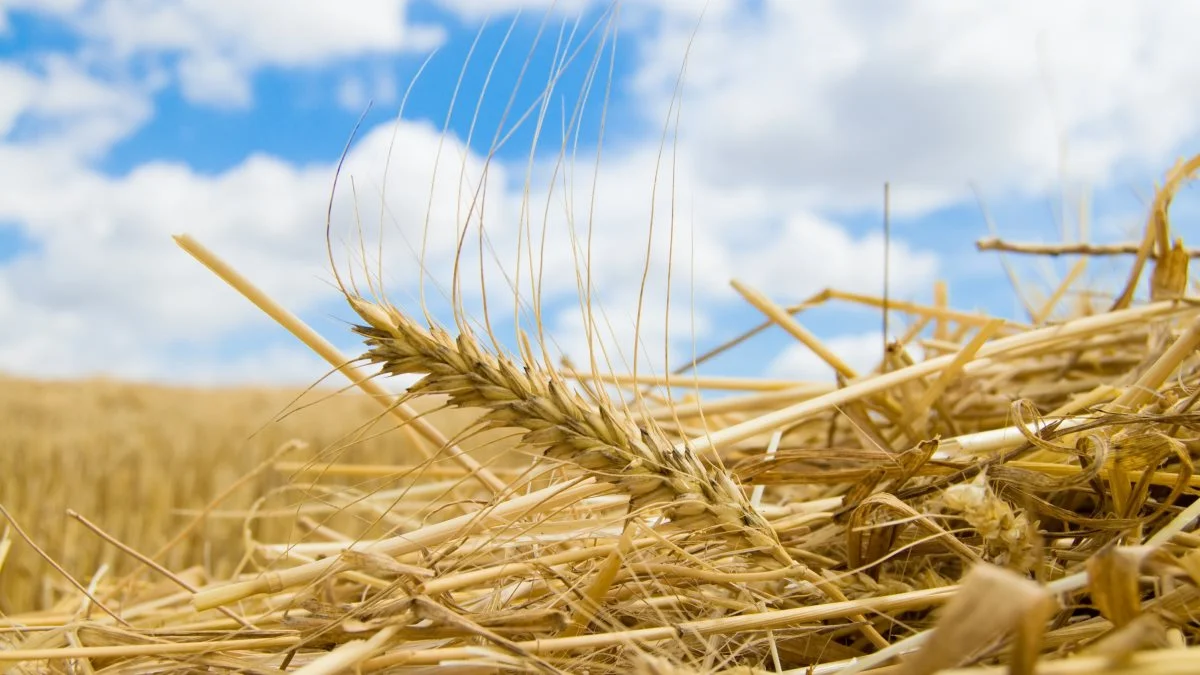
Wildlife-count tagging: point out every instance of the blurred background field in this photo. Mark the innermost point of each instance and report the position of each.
(140, 460)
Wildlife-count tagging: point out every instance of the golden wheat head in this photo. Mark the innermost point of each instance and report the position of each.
(638, 459)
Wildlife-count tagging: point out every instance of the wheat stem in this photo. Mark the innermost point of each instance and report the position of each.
(500, 514)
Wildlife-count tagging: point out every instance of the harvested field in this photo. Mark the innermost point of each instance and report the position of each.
(142, 460)
(997, 494)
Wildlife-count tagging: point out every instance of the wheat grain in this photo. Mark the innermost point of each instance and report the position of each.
(638, 459)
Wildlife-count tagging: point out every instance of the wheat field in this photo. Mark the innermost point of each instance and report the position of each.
(142, 460)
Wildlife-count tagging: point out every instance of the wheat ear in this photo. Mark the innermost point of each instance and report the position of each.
(637, 459)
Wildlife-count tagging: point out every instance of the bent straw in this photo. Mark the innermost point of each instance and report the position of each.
(1140, 392)
(876, 384)
(785, 321)
(1066, 584)
(402, 411)
(1069, 248)
(730, 625)
(432, 535)
(152, 649)
(933, 311)
(1153, 377)
(1134, 396)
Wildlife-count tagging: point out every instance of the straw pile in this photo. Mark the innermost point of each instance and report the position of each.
(993, 493)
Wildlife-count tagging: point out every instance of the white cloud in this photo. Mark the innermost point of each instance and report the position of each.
(791, 114)
(861, 351)
(810, 254)
(219, 45)
(355, 92)
(66, 110)
(823, 101)
(705, 233)
(663, 336)
(20, 88)
(105, 288)
(109, 290)
(211, 78)
(352, 93)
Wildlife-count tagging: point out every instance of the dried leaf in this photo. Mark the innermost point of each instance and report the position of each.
(993, 602)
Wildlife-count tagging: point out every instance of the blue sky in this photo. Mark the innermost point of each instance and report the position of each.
(127, 122)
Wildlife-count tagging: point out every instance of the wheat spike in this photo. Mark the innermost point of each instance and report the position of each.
(638, 459)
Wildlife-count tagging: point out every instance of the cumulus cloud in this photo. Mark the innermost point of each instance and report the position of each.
(861, 351)
(217, 46)
(101, 286)
(20, 87)
(824, 101)
(794, 114)
(106, 280)
(355, 92)
(57, 105)
(654, 221)
(106, 287)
